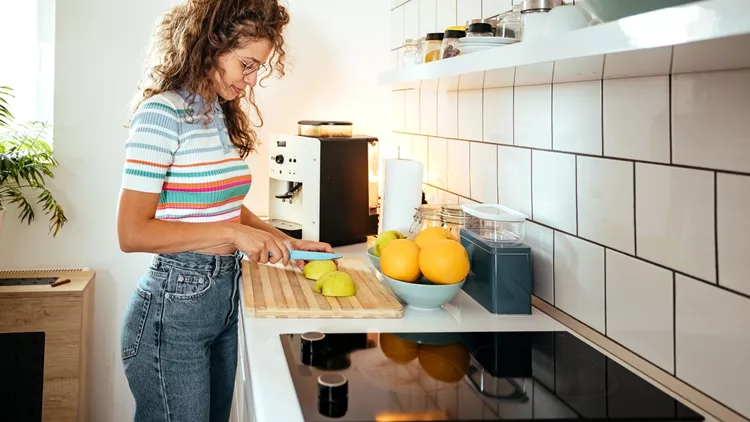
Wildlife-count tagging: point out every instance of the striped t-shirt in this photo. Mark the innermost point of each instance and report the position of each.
(193, 165)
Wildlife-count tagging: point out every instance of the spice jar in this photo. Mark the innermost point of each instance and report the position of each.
(533, 16)
(432, 43)
(411, 49)
(451, 46)
(480, 30)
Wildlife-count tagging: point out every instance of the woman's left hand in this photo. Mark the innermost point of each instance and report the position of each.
(309, 245)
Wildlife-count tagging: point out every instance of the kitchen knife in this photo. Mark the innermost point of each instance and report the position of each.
(296, 255)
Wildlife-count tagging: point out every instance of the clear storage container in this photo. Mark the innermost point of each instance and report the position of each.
(432, 44)
(497, 223)
(509, 24)
(411, 51)
(451, 46)
(325, 129)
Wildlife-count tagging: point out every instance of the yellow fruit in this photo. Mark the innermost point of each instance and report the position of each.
(397, 349)
(447, 363)
(385, 238)
(400, 260)
(337, 283)
(429, 234)
(313, 270)
(444, 261)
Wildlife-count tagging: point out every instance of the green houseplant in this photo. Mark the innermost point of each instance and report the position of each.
(26, 162)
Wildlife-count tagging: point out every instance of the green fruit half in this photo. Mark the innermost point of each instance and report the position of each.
(337, 283)
(384, 238)
(313, 270)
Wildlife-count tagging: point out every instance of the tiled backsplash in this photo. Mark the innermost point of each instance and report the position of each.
(637, 188)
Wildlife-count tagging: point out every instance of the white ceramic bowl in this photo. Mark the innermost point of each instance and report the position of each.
(374, 260)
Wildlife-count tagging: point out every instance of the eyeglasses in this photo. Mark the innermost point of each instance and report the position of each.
(250, 68)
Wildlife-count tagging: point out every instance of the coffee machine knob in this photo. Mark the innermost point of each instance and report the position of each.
(279, 159)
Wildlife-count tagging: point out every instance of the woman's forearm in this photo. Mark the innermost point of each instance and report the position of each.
(158, 236)
(249, 218)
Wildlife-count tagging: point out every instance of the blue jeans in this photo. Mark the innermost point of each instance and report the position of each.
(179, 338)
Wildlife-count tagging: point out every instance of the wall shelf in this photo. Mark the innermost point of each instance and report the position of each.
(581, 53)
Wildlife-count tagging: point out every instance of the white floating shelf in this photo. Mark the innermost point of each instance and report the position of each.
(702, 21)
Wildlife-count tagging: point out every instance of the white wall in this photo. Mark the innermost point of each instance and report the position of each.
(99, 48)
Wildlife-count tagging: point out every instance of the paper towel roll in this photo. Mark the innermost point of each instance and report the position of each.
(402, 193)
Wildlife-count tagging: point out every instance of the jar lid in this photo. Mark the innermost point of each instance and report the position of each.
(539, 5)
(434, 36)
(493, 22)
(452, 210)
(427, 210)
(323, 123)
(452, 33)
(412, 41)
(480, 27)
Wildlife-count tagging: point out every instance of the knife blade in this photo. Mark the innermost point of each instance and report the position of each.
(296, 255)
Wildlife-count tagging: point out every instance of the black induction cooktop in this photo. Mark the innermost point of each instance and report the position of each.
(469, 376)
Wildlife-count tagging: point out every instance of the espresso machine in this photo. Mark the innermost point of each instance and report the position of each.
(320, 184)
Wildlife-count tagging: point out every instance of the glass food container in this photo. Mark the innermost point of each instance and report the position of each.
(324, 129)
(533, 16)
(431, 47)
(509, 25)
(451, 46)
(411, 50)
(497, 223)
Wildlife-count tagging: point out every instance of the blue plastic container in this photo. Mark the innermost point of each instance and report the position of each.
(501, 274)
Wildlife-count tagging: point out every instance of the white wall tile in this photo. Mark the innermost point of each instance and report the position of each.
(446, 14)
(438, 171)
(541, 239)
(498, 115)
(654, 61)
(636, 118)
(411, 20)
(554, 189)
(579, 279)
(499, 78)
(675, 218)
(733, 211)
(710, 123)
(713, 342)
(397, 27)
(492, 8)
(428, 107)
(398, 115)
(605, 202)
(639, 308)
(412, 111)
(483, 172)
(579, 69)
(534, 74)
(427, 17)
(447, 198)
(470, 115)
(447, 108)
(532, 115)
(403, 146)
(467, 10)
(466, 201)
(431, 195)
(420, 152)
(514, 178)
(471, 81)
(458, 168)
(394, 60)
(577, 117)
(720, 54)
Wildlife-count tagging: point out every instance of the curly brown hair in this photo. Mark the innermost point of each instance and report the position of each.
(191, 37)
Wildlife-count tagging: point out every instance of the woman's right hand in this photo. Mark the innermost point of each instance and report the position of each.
(260, 246)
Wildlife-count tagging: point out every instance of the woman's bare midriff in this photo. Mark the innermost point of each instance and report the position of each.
(219, 250)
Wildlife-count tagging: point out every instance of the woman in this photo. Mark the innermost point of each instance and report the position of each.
(183, 186)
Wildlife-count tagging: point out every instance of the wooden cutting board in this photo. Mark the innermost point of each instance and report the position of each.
(275, 291)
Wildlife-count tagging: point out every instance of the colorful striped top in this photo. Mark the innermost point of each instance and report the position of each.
(192, 165)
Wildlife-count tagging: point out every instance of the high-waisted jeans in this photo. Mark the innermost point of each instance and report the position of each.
(179, 338)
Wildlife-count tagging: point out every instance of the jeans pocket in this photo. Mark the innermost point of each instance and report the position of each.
(188, 284)
(135, 322)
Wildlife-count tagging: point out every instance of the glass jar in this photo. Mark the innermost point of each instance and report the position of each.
(454, 219)
(533, 16)
(411, 50)
(451, 46)
(509, 25)
(480, 30)
(432, 44)
(425, 216)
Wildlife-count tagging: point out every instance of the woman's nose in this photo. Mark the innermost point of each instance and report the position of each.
(251, 79)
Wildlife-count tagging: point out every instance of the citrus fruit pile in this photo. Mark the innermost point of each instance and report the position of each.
(434, 254)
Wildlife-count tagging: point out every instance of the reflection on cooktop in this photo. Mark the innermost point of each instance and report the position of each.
(482, 376)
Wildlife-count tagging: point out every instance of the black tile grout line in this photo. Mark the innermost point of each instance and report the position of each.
(554, 279)
(576, 194)
(669, 117)
(531, 180)
(635, 213)
(604, 251)
(601, 108)
(716, 226)
(583, 154)
(552, 114)
(401, 4)
(674, 324)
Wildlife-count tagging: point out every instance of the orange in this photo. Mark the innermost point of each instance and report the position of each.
(398, 349)
(444, 261)
(447, 362)
(400, 260)
(429, 234)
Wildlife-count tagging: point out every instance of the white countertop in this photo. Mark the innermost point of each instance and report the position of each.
(273, 394)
